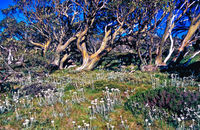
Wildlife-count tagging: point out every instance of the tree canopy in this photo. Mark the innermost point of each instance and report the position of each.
(159, 32)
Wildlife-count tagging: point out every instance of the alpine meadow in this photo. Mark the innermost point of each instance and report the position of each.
(100, 65)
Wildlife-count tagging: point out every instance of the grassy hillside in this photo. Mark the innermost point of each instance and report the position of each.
(89, 100)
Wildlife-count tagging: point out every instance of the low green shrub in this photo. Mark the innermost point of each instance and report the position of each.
(183, 103)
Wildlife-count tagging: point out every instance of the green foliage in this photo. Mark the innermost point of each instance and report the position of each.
(102, 84)
(172, 99)
(195, 59)
(67, 84)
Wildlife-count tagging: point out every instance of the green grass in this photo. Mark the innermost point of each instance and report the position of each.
(94, 83)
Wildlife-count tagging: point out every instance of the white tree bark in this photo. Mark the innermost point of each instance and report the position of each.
(195, 54)
(10, 56)
(171, 50)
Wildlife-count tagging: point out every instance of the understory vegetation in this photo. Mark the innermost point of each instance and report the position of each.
(102, 99)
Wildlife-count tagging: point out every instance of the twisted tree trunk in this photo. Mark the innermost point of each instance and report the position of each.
(90, 61)
(58, 61)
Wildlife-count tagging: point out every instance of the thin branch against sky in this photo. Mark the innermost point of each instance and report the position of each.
(4, 4)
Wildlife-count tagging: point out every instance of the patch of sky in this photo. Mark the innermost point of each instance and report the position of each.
(3, 5)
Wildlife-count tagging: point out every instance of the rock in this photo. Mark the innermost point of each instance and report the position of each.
(149, 68)
(36, 89)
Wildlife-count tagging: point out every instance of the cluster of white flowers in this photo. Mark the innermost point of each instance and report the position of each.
(111, 98)
(175, 81)
(78, 96)
(124, 123)
(82, 126)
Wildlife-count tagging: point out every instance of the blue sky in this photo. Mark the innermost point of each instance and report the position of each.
(4, 4)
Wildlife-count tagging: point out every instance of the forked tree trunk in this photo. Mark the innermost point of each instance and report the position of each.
(57, 60)
(171, 21)
(90, 61)
(158, 60)
(43, 46)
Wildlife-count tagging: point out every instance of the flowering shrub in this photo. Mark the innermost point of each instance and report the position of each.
(54, 101)
(171, 103)
(173, 99)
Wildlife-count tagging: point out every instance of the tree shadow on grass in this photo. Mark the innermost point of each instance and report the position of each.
(115, 62)
(192, 69)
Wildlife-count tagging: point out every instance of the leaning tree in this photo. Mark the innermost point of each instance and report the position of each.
(179, 20)
(52, 26)
(192, 36)
(92, 29)
(109, 17)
